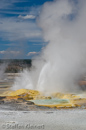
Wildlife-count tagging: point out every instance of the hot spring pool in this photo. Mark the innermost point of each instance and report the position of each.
(52, 101)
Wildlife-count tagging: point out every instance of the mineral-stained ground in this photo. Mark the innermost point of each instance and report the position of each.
(32, 100)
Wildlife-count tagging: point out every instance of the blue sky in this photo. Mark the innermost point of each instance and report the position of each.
(20, 36)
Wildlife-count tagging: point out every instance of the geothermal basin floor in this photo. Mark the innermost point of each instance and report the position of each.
(26, 116)
(33, 120)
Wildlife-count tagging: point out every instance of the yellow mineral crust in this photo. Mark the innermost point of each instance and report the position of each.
(79, 102)
(20, 92)
(24, 91)
(66, 105)
(74, 100)
(65, 96)
(38, 95)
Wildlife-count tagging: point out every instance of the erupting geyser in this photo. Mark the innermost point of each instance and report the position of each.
(63, 60)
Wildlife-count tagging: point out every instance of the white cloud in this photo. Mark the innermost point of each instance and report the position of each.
(2, 52)
(10, 7)
(18, 28)
(6, 4)
(32, 53)
(27, 17)
(13, 30)
(9, 52)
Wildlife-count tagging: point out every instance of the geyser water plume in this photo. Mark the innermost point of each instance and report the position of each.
(64, 28)
(43, 77)
(24, 81)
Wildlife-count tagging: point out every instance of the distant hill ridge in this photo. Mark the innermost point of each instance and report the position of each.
(16, 65)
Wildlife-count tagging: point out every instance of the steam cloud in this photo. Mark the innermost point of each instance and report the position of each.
(63, 60)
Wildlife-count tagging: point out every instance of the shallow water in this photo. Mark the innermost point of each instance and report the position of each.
(52, 101)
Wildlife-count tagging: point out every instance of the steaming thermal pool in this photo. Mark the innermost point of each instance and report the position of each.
(52, 101)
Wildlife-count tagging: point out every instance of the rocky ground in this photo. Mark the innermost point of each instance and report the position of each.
(40, 120)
